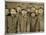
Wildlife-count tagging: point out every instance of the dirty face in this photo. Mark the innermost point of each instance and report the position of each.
(13, 12)
(18, 9)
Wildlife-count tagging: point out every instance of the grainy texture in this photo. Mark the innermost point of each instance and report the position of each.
(25, 17)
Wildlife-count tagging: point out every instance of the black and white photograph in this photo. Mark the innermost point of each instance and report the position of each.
(22, 17)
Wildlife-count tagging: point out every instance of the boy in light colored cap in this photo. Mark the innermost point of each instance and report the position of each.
(39, 23)
(40, 20)
(41, 11)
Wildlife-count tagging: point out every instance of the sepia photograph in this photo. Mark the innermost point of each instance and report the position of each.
(23, 17)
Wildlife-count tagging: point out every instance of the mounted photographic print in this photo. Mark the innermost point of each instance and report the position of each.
(23, 17)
